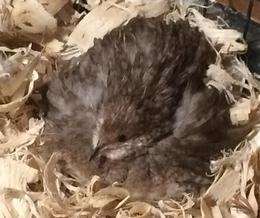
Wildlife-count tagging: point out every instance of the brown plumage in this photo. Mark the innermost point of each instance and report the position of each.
(135, 109)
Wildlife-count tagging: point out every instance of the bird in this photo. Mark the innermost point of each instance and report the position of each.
(135, 109)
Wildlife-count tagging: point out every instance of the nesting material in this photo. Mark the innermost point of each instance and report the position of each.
(31, 187)
(110, 15)
(31, 17)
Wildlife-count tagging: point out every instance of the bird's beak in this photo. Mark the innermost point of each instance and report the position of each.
(94, 153)
(95, 150)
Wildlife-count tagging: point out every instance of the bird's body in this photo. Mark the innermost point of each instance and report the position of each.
(135, 109)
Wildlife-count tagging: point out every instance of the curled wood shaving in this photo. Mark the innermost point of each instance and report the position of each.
(29, 16)
(16, 174)
(239, 113)
(230, 41)
(107, 16)
(31, 187)
(11, 138)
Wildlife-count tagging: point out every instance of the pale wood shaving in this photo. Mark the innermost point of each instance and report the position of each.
(31, 187)
(31, 17)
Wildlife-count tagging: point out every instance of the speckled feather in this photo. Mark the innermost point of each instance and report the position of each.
(138, 101)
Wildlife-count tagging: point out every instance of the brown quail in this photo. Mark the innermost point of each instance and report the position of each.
(134, 109)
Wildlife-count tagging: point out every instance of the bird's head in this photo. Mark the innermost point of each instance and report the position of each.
(120, 130)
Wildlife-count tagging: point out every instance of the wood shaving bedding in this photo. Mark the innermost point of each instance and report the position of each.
(31, 187)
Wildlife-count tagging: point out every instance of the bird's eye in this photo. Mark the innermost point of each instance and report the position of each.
(121, 138)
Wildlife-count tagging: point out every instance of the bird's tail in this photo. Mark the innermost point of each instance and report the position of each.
(203, 122)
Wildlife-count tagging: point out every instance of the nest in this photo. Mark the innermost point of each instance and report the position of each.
(35, 37)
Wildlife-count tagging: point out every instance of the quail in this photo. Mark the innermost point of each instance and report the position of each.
(135, 109)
